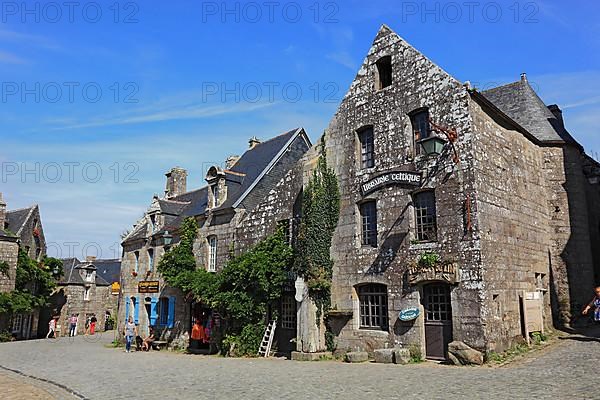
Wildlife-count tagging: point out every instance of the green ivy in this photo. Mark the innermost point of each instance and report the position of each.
(4, 268)
(34, 284)
(242, 292)
(320, 214)
(428, 260)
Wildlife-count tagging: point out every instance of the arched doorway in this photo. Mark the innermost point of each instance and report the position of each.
(438, 320)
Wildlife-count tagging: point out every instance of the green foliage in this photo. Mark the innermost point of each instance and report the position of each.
(4, 268)
(5, 336)
(416, 356)
(330, 343)
(180, 259)
(242, 292)
(33, 286)
(320, 214)
(428, 259)
(538, 338)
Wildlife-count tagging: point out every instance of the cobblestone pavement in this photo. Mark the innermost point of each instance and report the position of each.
(91, 370)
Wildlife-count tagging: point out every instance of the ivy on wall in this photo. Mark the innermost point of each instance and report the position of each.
(320, 214)
(241, 292)
(34, 284)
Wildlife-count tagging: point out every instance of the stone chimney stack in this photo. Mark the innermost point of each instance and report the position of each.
(523, 77)
(90, 259)
(2, 212)
(230, 162)
(176, 182)
(253, 142)
(555, 109)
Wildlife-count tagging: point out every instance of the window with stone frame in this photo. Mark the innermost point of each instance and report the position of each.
(215, 193)
(368, 217)
(288, 311)
(150, 259)
(421, 128)
(89, 274)
(373, 306)
(384, 72)
(367, 147)
(425, 216)
(136, 266)
(212, 254)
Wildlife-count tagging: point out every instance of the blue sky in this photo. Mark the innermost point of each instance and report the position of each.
(144, 86)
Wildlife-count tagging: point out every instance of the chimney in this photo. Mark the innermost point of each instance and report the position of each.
(523, 77)
(230, 162)
(555, 109)
(2, 212)
(90, 259)
(176, 182)
(253, 141)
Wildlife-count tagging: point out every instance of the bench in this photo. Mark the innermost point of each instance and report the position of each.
(158, 344)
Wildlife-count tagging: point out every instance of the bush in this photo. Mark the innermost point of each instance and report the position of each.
(416, 356)
(5, 336)
(245, 344)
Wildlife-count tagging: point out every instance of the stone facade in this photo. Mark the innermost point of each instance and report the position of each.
(233, 197)
(513, 215)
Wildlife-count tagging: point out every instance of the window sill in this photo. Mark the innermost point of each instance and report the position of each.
(424, 246)
(375, 331)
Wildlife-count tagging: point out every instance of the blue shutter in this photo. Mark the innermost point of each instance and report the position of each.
(171, 318)
(136, 311)
(127, 300)
(153, 304)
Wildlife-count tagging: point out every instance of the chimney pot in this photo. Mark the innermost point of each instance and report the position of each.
(253, 142)
(523, 77)
(176, 182)
(231, 160)
(90, 259)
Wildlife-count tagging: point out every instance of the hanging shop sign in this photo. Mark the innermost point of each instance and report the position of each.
(409, 314)
(401, 178)
(447, 272)
(148, 287)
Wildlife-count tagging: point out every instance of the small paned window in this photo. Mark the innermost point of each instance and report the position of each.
(425, 216)
(367, 147)
(368, 215)
(373, 304)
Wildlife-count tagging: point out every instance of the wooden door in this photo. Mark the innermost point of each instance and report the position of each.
(438, 320)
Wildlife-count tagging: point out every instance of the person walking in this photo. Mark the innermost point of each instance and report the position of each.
(72, 325)
(130, 331)
(93, 321)
(595, 304)
(51, 328)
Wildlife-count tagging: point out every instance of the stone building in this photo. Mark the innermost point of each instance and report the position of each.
(231, 196)
(83, 291)
(465, 215)
(21, 228)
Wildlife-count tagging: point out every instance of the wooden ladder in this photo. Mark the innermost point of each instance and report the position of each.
(267, 341)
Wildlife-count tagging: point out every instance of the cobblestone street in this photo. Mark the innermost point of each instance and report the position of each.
(86, 368)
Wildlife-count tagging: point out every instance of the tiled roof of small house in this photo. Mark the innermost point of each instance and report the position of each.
(109, 270)
(72, 277)
(521, 103)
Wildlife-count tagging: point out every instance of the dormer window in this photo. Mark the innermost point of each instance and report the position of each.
(153, 222)
(384, 72)
(420, 125)
(216, 181)
(89, 275)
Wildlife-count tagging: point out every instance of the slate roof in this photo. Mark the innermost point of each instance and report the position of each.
(15, 219)
(521, 103)
(72, 277)
(171, 207)
(109, 270)
(251, 164)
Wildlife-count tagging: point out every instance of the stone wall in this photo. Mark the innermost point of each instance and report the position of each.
(513, 213)
(9, 252)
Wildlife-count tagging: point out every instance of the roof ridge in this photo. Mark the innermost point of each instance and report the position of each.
(22, 208)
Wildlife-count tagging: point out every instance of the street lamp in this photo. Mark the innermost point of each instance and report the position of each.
(167, 238)
(432, 145)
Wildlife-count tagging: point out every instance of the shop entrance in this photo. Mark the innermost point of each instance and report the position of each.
(438, 320)
(204, 325)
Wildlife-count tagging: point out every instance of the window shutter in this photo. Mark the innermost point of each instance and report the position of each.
(127, 309)
(153, 311)
(136, 311)
(171, 318)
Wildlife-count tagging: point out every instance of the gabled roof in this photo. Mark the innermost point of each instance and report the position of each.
(521, 103)
(172, 207)
(253, 164)
(16, 219)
